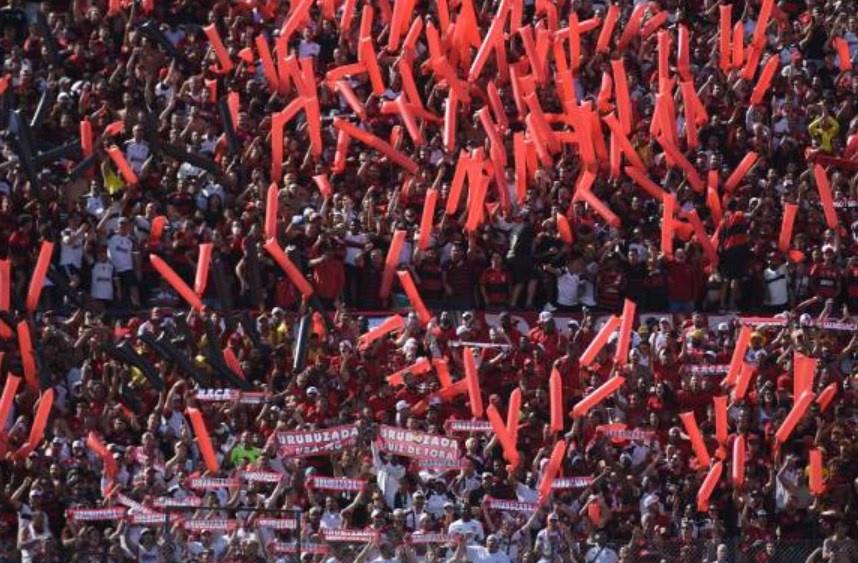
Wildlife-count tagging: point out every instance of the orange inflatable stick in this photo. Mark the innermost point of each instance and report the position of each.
(419, 367)
(99, 449)
(443, 371)
(689, 421)
(738, 356)
(599, 207)
(402, 12)
(804, 370)
(455, 195)
(493, 37)
(575, 32)
(272, 198)
(725, 13)
(391, 262)
(824, 399)
(427, 219)
(739, 454)
(37, 280)
(219, 49)
(621, 91)
(513, 413)
(510, 453)
(324, 185)
(341, 153)
(844, 59)
(10, 388)
(297, 19)
(741, 170)
(654, 23)
(551, 471)
(204, 441)
(367, 56)
(690, 172)
(384, 148)
(118, 158)
(410, 122)
(176, 282)
(420, 308)
(668, 210)
(738, 46)
(86, 146)
(610, 22)
(474, 391)
(40, 420)
(602, 392)
(203, 262)
(709, 484)
(564, 229)
(390, 324)
(289, 268)
(633, 26)
(763, 17)
(825, 197)
(795, 415)
(626, 323)
(744, 380)
(765, 80)
(348, 94)
(232, 362)
(815, 479)
(787, 225)
(555, 385)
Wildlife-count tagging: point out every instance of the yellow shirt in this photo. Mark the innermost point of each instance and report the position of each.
(824, 130)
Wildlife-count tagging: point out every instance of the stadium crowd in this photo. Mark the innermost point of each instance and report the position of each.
(535, 165)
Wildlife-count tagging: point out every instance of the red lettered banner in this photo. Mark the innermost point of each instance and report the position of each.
(317, 442)
(149, 519)
(512, 505)
(420, 445)
(720, 369)
(278, 523)
(96, 514)
(229, 395)
(206, 483)
(642, 435)
(571, 482)
(423, 538)
(164, 502)
(349, 536)
(292, 547)
(261, 476)
(336, 484)
(214, 525)
(468, 426)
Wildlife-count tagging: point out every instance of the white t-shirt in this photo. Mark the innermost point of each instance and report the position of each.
(119, 248)
(776, 285)
(136, 153)
(472, 530)
(101, 286)
(568, 285)
(598, 554)
(308, 49)
(480, 554)
(71, 254)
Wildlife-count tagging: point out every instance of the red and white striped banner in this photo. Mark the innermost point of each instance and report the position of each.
(718, 369)
(639, 435)
(230, 395)
(96, 514)
(512, 505)
(149, 518)
(352, 536)
(164, 502)
(278, 523)
(261, 476)
(468, 426)
(571, 482)
(208, 483)
(424, 538)
(214, 525)
(336, 483)
(292, 547)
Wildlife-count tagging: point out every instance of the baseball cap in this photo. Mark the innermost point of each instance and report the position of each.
(401, 405)
(546, 316)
